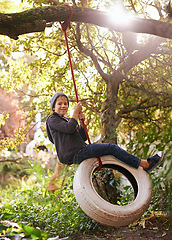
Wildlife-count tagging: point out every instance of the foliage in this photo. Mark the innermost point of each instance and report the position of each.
(151, 139)
(161, 200)
(144, 144)
(124, 83)
(109, 98)
(152, 134)
(26, 201)
(11, 115)
(19, 230)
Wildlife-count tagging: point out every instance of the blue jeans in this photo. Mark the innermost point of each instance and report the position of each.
(103, 149)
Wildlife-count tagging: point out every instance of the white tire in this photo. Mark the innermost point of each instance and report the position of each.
(99, 209)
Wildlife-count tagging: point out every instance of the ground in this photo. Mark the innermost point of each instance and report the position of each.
(150, 229)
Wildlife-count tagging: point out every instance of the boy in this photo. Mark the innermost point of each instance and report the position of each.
(69, 138)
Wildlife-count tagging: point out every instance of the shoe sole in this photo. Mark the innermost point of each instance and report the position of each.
(160, 160)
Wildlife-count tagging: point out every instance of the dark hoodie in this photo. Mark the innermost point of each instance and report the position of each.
(67, 136)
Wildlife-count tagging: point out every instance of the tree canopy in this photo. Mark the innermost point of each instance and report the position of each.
(123, 76)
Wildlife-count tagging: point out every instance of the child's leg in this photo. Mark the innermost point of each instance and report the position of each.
(103, 149)
(52, 186)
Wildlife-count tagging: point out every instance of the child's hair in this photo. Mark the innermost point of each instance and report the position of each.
(54, 97)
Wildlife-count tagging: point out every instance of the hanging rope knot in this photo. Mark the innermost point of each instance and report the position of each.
(66, 24)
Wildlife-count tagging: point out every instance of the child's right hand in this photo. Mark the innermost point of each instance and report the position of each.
(78, 108)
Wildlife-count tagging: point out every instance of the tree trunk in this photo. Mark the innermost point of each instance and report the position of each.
(108, 118)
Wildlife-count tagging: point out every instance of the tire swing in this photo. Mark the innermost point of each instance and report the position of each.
(103, 211)
(88, 198)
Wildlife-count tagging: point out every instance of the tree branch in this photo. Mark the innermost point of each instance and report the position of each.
(90, 53)
(36, 19)
(142, 54)
(139, 106)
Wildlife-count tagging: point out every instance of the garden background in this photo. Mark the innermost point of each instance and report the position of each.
(125, 86)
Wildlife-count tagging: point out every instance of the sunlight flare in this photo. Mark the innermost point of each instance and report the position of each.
(119, 15)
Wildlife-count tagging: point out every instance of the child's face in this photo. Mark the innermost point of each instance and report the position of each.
(61, 105)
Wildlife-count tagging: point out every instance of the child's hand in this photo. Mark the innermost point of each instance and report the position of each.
(81, 116)
(78, 108)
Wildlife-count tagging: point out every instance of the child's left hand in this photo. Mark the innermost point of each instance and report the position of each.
(81, 116)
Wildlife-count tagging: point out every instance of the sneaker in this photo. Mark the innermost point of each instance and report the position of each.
(154, 161)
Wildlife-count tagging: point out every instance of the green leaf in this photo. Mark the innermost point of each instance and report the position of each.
(5, 216)
(33, 232)
(7, 206)
(2, 227)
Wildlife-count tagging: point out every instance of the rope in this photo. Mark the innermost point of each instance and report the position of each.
(65, 25)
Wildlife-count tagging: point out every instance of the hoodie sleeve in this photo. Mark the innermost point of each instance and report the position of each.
(56, 123)
(82, 133)
(49, 134)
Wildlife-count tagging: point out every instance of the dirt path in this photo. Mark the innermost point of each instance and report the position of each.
(152, 229)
